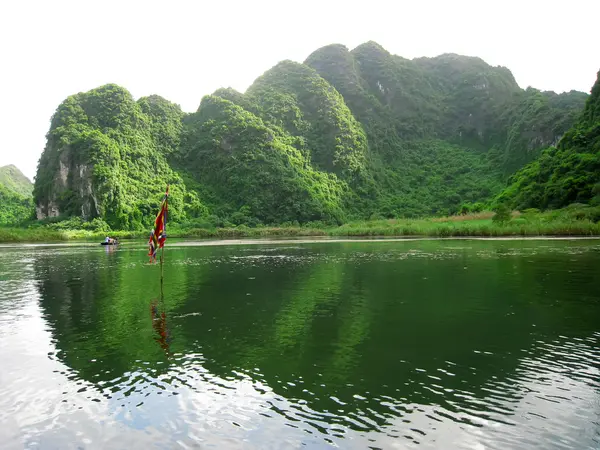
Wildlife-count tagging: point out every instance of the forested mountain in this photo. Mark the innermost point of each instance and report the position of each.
(347, 134)
(14, 180)
(16, 201)
(565, 174)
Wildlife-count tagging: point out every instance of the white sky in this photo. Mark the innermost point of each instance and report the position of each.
(183, 50)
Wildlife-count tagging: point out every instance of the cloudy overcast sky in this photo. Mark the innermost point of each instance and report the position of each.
(183, 50)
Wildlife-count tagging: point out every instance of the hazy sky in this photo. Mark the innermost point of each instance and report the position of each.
(183, 50)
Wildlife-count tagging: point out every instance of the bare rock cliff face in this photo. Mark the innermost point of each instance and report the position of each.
(71, 190)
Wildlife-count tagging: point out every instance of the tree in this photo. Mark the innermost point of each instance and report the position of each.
(503, 214)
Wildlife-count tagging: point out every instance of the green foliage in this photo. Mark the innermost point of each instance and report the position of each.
(106, 157)
(165, 122)
(502, 214)
(537, 120)
(467, 208)
(14, 180)
(14, 208)
(347, 135)
(77, 223)
(472, 96)
(435, 178)
(16, 203)
(295, 98)
(576, 220)
(567, 173)
(453, 97)
(252, 170)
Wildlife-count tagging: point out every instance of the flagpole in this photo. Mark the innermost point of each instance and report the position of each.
(161, 272)
(162, 250)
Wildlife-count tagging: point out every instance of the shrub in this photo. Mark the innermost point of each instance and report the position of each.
(502, 215)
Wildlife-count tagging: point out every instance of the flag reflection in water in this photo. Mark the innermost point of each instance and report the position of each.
(159, 323)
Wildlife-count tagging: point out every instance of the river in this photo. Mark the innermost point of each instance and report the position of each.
(452, 344)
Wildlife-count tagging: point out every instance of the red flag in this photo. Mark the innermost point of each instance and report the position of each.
(159, 234)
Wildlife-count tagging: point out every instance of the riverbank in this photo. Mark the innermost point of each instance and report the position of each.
(567, 222)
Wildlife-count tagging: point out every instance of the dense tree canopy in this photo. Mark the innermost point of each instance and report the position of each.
(16, 202)
(106, 157)
(565, 174)
(14, 180)
(253, 169)
(347, 134)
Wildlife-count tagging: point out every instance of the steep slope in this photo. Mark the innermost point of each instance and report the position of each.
(369, 95)
(295, 98)
(468, 124)
(567, 173)
(449, 97)
(106, 157)
(14, 208)
(311, 146)
(456, 98)
(249, 168)
(16, 203)
(347, 134)
(473, 96)
(14, 180)
(534, 121)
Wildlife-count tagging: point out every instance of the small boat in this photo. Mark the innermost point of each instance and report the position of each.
(109, 243)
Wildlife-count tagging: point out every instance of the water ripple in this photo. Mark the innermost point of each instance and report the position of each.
(361, 348)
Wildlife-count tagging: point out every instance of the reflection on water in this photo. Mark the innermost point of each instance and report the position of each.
(453, 344)
(159, 323)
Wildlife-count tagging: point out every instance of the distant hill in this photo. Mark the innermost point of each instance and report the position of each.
(16, 196)
(14, 180)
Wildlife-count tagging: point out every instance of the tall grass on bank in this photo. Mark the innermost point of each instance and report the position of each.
(41, 234)
(577, 220)
(47, 235)
(480, 228)
(30, 235)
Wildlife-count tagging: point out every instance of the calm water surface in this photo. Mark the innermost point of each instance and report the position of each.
(415, 344)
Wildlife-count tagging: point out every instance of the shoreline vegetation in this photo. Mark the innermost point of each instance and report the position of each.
(575, 220)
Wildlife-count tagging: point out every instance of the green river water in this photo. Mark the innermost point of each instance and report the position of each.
(449, 344)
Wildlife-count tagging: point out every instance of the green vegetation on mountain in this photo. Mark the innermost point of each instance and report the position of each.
(14, 180)
(106, 157)
(347, 135)
(538, 120)
(16, 201)
(565, 174)
(251, 172)
(295, 98)
(14, 208)
(455, 98)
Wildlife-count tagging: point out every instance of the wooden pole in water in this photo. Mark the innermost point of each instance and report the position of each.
(162, 253)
